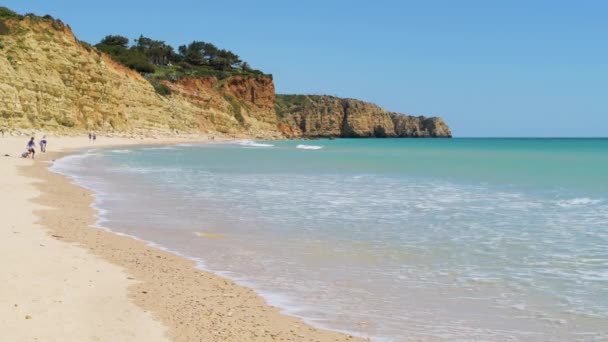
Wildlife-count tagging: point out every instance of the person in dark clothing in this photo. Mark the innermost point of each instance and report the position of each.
(43, 144)
(31, 148)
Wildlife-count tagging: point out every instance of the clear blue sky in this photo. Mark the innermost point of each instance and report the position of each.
(490, 68)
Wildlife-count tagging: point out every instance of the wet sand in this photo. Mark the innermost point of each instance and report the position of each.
(175, 299)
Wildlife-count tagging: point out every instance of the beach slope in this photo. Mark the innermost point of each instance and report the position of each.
(51, 290)
(67, 281)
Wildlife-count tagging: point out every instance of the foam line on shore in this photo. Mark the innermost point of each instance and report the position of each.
(288, 307)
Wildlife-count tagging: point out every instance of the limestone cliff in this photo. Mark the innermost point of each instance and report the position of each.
(50, 80)
(246, 99)
(328, 116)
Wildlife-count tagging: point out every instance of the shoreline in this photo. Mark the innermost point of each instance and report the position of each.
(193, 304)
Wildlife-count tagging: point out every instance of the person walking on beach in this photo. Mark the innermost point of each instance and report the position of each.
(90, 136)
(43, 144)
(94, 137)
(31, 148)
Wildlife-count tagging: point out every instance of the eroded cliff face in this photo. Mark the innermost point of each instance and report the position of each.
(328, 116)
(248, 100)
(420, 126)
(49, 80)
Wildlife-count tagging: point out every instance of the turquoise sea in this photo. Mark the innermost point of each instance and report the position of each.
(395, 239)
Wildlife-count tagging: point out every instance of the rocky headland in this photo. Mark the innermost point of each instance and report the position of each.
(50, 80)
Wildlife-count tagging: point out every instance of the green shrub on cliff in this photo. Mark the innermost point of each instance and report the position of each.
(155, 57)
(4, 29)
(115, 41)
(118, 48)
(86, 45)
(285, 104)
(65, 122)
(160, 88)
(236, 109)
(57, 24)
(200, 53)
(7, 13)
(137, 62)
(156, 51)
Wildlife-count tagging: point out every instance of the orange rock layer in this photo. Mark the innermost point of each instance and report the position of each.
(50, 80)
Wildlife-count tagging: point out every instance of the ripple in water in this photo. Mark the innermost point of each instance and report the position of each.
(390, 255)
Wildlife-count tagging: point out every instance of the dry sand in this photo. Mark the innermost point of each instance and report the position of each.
(64, 280)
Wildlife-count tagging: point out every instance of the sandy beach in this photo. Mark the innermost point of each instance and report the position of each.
(65, 280)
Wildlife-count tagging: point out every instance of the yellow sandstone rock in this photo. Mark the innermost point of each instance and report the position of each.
(49, 80)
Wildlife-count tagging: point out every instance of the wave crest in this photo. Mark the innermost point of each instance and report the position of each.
(251, 143)
(309, 147)
(581, 201)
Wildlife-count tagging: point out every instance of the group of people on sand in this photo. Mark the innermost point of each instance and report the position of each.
(31, 147)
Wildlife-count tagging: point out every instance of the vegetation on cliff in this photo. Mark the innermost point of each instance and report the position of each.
(6, 13)
(51, 80)
(155, 59)
(158, 60)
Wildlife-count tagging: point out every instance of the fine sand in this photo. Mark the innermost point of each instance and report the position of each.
(64, 280)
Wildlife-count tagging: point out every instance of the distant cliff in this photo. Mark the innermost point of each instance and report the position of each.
(328, 116)
(52, 81)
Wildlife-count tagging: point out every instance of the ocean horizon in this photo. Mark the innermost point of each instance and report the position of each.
(393, 239)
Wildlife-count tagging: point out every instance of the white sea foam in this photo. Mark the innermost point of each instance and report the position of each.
(121, 151)
(251, 143)
(143, 170)
(309, 147)
(601, 275)
(484, 250)
(581, 201)
(69, 165)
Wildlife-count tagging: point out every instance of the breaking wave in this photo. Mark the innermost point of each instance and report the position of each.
(309, 147)
(251, 143)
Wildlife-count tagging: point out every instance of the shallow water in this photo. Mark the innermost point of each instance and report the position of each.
(459, 239)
